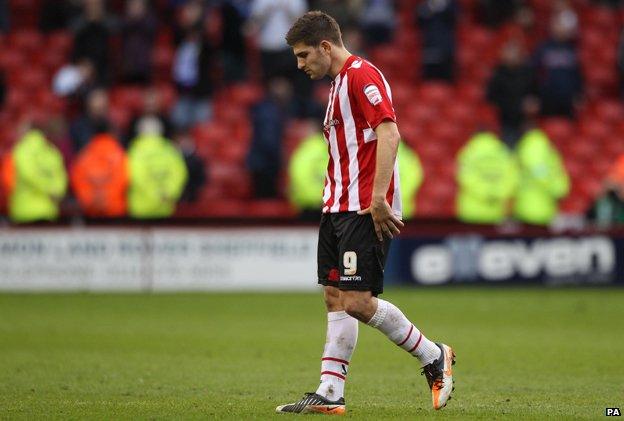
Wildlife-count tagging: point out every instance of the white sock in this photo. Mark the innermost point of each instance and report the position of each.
(342, 332)
(393, 323)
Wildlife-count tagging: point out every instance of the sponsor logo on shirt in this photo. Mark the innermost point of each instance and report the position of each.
(372, 93)
(330, 124)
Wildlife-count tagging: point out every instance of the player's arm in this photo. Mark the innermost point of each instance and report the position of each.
(385, 221)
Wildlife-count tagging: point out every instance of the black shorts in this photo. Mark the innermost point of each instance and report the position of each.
(350, 256)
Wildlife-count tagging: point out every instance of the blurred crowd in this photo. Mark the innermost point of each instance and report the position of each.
(90, 159)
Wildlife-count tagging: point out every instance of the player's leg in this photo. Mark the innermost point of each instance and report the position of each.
(361, 280)
(390, 320)
(436, 359)
(342, 331)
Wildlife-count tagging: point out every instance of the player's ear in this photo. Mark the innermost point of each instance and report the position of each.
(325, 46)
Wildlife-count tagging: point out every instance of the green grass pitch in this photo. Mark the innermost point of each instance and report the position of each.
(521, 353)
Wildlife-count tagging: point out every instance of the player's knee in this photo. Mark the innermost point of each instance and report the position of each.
(357, 307)
(331, 296)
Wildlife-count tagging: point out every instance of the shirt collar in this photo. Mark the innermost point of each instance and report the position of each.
(347, 64)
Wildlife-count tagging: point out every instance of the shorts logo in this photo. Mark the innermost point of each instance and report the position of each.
(372, 93)
(355, 278)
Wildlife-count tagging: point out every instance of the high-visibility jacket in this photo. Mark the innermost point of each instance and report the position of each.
(410, 178)
(158, 175)
(306, 170)
(543, 179)
(40, 179)
(487, 177)
(7, 174)
(99, 177)
(616, 172)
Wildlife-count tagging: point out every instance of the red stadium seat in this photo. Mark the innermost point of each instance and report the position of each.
(232, 152)
(231, 114)
(232, 178)
(599, 17)
(610, 111)
(270, 209)
(469, 93)
(595, 130)
(120, 117)
(31, 78)
(127, 97)
(60, 41)
(558, 129)
(575, 204)
(435, 93)
(245, 94)
(459, 112)
(209, 137)
(162, 59)
(26, 40)
(168, 95)
(12, 60)
(222, 208)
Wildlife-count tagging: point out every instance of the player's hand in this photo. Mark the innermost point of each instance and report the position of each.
(385, 221)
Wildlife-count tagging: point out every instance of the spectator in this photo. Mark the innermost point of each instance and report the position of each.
(92, 37)
(511, 90)
(620, 63)
(271, 19)
(4, 16)
(157, 177)
(543, 179)
(39, 179)
(378, 21)
(2, 89)
(608, 209)
(437, 20)
(487, 178)
(495, 13)
(153, 120)
(99, 178)
(195, 167)
(58, 15)
(269, 118)
(558, 69)
(93, 121)
(234, 14)
(75, 80)
(346, 12)
(610, 3)
(192, 70)
(138, 32)
(354, 41)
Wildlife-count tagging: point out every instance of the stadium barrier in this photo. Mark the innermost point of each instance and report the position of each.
(284, 258)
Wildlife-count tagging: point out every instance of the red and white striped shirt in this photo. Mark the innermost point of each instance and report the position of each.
(359, 100)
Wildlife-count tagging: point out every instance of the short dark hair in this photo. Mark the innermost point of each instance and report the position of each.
(314, 27)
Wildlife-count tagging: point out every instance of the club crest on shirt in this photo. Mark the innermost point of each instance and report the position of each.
(372, 93)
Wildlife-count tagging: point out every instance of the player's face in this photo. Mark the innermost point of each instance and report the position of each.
(315, 61)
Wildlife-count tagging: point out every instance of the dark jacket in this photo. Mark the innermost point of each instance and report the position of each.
(507, 89)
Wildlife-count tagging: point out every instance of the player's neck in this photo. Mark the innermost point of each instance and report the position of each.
(338, 61)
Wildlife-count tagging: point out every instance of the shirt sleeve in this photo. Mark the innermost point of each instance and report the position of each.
(370, 94)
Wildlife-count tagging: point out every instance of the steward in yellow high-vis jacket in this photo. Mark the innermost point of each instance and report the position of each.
(157, 177)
